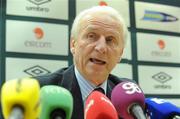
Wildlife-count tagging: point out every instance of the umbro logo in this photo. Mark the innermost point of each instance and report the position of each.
(36, 71)
(162, 77)
(39, 2)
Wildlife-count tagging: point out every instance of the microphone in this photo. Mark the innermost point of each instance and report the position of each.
(98, 106)
(21, 99)
(128, 100)
(161, 109)
(57, 103)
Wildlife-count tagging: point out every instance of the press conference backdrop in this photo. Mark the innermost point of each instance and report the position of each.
(34, 40)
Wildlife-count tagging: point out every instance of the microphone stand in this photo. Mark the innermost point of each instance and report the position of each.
(17, 113)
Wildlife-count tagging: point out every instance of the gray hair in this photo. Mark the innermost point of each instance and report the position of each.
(109, 10)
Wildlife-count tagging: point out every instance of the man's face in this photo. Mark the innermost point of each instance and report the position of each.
(98, 47)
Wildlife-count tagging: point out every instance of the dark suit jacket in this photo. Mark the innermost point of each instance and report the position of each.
(66, 78)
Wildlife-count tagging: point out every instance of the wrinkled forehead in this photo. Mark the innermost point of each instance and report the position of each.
(101, 17)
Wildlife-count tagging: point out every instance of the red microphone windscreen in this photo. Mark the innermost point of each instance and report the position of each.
(124, 95)
(98, 106)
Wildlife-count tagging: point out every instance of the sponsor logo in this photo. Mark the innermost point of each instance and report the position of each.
(36, 71)
(39, 2)
(38, 33)
(161, 44)
(158, 100)
(131, 88)
(162, 78)
(37, 8)
(103, 3)
(38, 42)
(158, 16)
(162, 52)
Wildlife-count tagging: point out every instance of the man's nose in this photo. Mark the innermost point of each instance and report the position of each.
(101, 45)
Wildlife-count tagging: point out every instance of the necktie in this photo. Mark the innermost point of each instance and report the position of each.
(99, 89)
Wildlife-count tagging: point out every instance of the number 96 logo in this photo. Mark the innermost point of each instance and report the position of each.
(131, 88)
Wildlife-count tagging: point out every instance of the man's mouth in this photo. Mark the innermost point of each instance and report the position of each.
(97, 61)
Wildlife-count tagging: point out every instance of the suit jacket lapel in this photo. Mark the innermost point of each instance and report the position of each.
(69, 82)
(110, 86)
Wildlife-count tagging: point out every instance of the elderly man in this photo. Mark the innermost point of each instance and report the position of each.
(98, 38)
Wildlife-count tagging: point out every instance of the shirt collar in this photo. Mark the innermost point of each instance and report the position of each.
(86, 86)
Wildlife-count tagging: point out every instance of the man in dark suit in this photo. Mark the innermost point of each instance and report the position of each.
(98, 39)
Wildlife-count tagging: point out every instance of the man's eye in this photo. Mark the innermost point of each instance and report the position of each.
(110, 39)
(91, 36)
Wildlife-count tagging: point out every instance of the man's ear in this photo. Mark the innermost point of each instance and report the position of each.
(72, 45)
